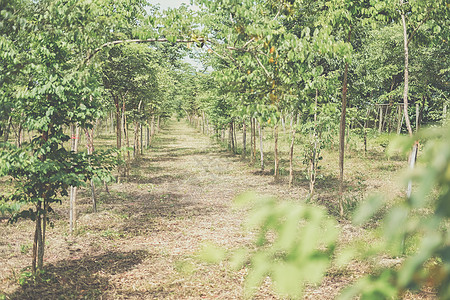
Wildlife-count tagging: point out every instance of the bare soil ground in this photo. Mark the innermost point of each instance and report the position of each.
(142, 243)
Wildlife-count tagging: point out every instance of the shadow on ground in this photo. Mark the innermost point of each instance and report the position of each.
(84, 278)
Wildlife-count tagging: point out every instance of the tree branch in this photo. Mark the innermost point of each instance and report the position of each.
(418, 26)
(138, 41)
(262, 66)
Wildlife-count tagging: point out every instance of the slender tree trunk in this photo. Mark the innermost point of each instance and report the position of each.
(118, 123)
(235, 137)
(158, 127)
(203, 122)
(111, 128)
(7, 129)
(90, 151)
(244, 138)
(412, 162)
(380, 122)
(444, 112)
(126, 136)
(366, 121)
(417, 116)
(231, 135)
(136, 139)
(75, 134)
(147, 135)
(342, 137)
(275, 151)
(261, 145)
(291, 157)
(413, 155)
(152, 129)
(313, 162)
(254, 140)
(399, 119)
(41, 213)
(20, 135)
(252, 154)
(406, 75)
(141, 139)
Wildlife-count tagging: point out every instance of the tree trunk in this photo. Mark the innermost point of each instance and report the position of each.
(158, 127)
(111, 128)
(275, 151)
(203, 122)
(366, 121)
(41, 214)
(20, 135)
(261, 145)
(254, 140)
(417, 116)
(127, 138)
(444, 112)
(90, 150)
(118, 123)
(251, 140)
(136, 139)
(74, 134)
(38, 242)
(147, 135)
(235, 137)
(342, 139)
(244, 138)
(152, 129)
(141, 138)
(399, 119)
(380, 122)
(231, 137)
(313, 162)
(291, 158)
(7, 129)
(406, 76)
(412, 162)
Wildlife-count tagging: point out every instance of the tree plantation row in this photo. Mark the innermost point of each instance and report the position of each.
(319, 74)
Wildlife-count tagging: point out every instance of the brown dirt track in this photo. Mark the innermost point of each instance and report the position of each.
(142, 243)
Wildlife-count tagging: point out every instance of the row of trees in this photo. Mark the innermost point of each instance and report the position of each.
(53, 86)
(268, 63)
(278, 60)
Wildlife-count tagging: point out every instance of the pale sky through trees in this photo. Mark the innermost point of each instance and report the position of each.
(164, 4)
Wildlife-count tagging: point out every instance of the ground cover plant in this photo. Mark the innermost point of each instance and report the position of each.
(126, 158)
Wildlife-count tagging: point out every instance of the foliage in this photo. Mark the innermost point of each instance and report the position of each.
(430, 265)
(293, 246)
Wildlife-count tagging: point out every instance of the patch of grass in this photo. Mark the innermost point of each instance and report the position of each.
(111, 234)
(185, 267)
(25, 248)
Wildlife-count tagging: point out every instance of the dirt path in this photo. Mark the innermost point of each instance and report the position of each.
(142, 242)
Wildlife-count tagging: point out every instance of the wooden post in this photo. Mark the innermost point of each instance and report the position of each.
(74, 136)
